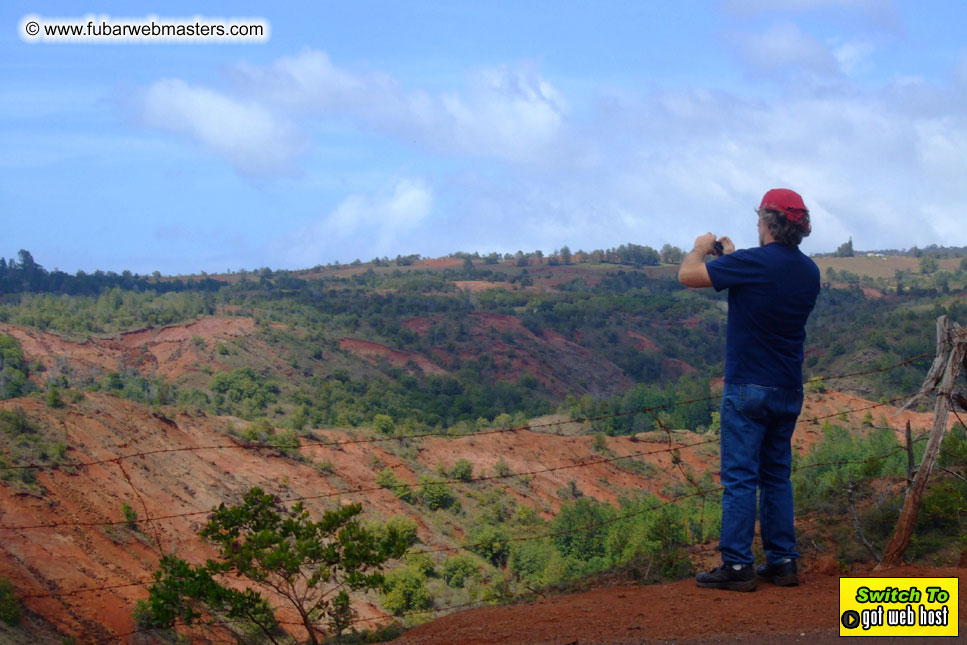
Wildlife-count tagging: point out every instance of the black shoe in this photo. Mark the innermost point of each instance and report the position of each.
(729, 577)
(782, 573)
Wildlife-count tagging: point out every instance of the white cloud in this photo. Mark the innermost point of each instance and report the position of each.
(253, 140)
(373, 222)
(881, 166)
(853, 57)
(783, 47)
(508, 112)
(673, 165)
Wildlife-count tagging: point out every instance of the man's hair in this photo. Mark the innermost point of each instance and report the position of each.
(784, 231)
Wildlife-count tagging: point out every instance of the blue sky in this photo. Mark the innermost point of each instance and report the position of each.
(364, 129)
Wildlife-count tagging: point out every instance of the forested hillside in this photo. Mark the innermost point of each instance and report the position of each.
(528, 421)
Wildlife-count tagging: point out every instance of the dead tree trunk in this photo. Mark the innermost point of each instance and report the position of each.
(951, 350)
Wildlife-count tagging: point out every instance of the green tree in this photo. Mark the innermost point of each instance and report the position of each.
(405, 591)
(845, 250)
(580, 528)
(245, 388)
(383, 424)
(671, 254)
(13, 369)
(458, 569)
(928, 264)
(490, 542)
(310, 564)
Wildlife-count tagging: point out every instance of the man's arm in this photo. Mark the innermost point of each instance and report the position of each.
(693, 272)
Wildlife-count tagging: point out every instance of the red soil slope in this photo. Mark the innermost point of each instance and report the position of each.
(71, 536)
(166, 351)
(560, 364)
(176, 469)
(374, 352)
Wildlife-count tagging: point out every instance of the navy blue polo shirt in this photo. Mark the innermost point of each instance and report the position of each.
(772, 289)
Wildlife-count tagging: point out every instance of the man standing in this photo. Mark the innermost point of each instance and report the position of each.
(772, 290)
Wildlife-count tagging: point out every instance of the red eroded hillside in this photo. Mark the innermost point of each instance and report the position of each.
(167, 351)
(69, 534)
(375, 352)
(558, 363)
(79, 567)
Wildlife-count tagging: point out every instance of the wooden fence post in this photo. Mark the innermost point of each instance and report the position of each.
(951, 350)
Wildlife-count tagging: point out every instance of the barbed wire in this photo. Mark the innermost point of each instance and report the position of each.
(457, 481)
(421, 435)
(339, 443)
(515, 596)
(670, 447)
(469, 546)
(369, 489)
(512, 597)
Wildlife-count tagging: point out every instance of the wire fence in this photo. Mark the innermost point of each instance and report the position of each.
(671, 446)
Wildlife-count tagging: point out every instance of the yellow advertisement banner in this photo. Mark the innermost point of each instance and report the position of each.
(898, 606)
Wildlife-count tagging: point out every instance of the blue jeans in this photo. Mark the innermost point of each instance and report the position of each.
(757, 427)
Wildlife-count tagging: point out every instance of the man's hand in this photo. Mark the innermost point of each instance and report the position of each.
(704, 244)
(692, 272)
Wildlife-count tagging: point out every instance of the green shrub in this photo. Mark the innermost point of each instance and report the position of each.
(581, 528)
(529, 559)
(434, 494)
(490, 543)
(599, 443)
(10, 609)
(130, 516)
(458, 569)
(243, 391)
(53, 398)
(383, 424)
(421, 562)
(287, 440)
(388, 479)
(261, 431)
(13, 370)
(404, 527)
(16, 423)
(405, 590)
(462, 470)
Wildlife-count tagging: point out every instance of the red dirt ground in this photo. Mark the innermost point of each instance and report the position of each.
(374, 352)
(679, 612)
